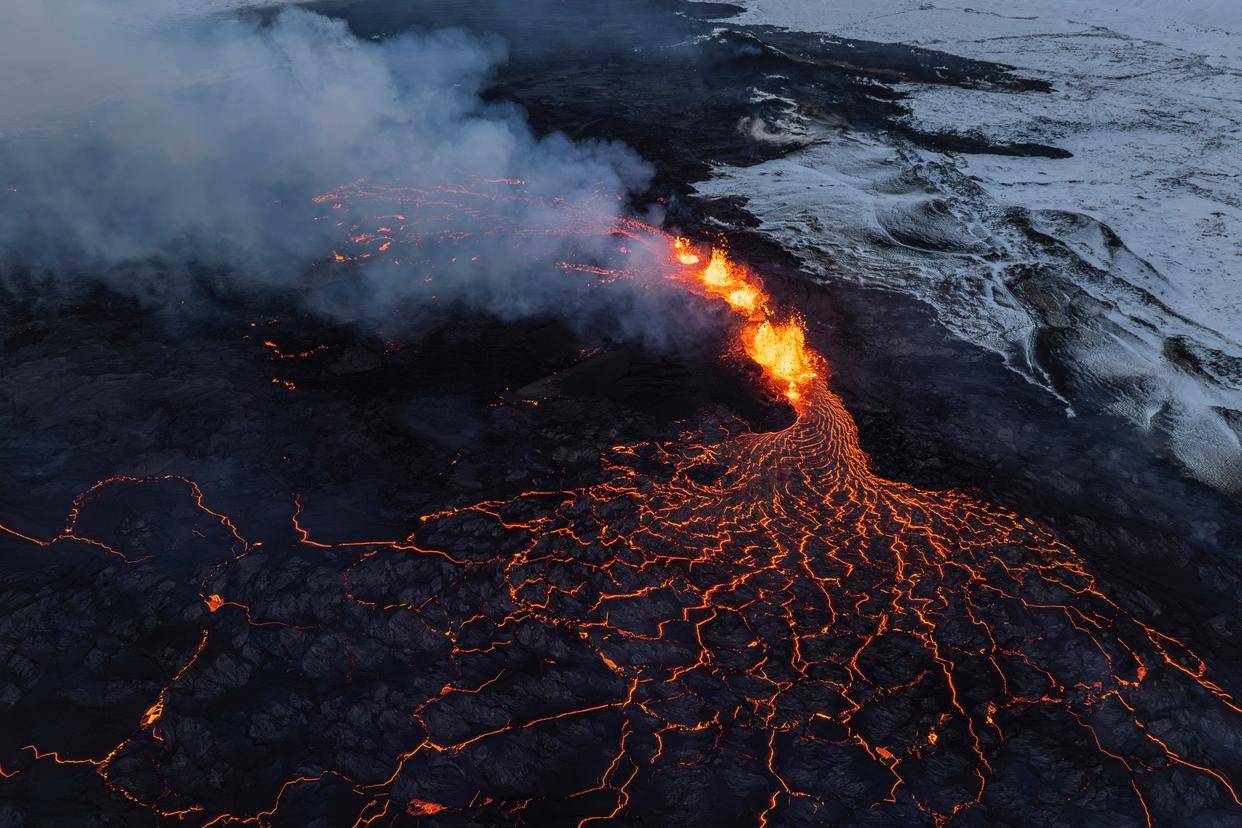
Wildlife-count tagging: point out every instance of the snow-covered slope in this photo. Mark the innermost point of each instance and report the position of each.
(1114, 277)
(1201, 26)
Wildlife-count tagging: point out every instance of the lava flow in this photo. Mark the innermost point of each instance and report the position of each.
(842, 648)
(777, 347)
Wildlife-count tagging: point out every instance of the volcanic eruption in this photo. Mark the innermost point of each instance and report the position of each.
(755, 600)
(400, 433)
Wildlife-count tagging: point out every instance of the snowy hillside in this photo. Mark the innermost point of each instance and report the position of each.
(1135, 303)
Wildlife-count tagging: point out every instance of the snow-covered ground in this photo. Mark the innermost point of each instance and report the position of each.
(1139, 278)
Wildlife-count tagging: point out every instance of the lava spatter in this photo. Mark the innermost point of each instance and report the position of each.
(850, 645)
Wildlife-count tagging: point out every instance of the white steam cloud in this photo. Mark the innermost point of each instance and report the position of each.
(131, 138)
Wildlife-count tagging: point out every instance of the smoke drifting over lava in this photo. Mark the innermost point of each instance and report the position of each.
(169, 147)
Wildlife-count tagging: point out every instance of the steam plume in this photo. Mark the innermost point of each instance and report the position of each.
(130, 138)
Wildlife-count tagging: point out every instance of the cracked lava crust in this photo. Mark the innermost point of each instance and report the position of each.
(728, 626)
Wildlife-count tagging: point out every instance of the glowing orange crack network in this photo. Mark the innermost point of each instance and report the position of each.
(797, 534)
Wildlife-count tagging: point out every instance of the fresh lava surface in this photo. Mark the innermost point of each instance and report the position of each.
(761, 595)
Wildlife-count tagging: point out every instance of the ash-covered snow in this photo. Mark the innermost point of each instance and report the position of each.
(1114, 277)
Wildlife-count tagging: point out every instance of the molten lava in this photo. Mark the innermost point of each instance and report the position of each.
(779, 348)
(683, 252)
(743, 597)
(719, 272)
(781, 351)
(725, 280)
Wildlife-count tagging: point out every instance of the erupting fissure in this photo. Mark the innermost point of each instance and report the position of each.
(760, 595)
(777, 347)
